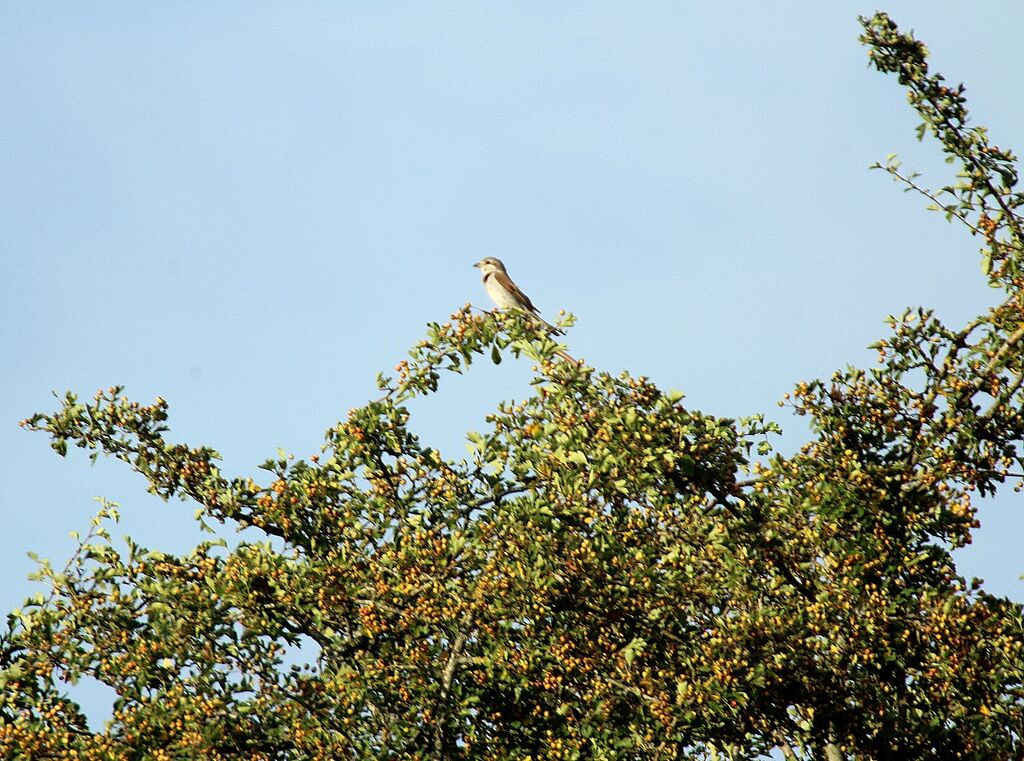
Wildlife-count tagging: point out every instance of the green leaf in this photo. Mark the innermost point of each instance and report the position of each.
(577, 457)
(634, 648)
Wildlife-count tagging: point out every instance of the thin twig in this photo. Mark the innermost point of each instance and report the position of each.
(932, 197)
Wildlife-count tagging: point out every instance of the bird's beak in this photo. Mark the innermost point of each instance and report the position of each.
(477, 264)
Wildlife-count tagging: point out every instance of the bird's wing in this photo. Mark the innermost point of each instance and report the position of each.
(506, 282)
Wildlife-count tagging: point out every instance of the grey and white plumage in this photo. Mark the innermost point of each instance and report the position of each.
(503, 290)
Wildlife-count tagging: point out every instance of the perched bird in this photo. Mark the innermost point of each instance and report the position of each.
(504, 292)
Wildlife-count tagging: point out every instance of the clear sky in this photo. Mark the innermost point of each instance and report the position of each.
(251, 208)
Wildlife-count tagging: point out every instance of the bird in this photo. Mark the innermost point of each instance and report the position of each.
(504, 292)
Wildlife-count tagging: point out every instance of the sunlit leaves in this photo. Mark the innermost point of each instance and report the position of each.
(607, 574)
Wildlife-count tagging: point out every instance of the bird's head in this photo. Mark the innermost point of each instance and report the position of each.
(490, 264)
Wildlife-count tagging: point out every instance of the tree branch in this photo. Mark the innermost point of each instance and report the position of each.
(447, 676)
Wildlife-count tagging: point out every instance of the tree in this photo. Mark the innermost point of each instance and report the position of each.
(610, 575)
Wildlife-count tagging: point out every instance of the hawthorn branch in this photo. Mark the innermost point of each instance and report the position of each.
(1004, 398)
(1011, 216)
(909, 181)
(996, 362)
(447, 677)
(476, 504)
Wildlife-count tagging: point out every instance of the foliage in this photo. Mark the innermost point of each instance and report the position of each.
(609, 575)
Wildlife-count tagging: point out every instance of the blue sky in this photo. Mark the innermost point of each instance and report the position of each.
(251, 208)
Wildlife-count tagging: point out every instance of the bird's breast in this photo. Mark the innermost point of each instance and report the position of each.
(501, 297)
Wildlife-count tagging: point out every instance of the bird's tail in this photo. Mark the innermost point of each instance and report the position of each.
(552, 328)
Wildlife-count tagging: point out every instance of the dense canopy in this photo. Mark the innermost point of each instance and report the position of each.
(610, 574)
